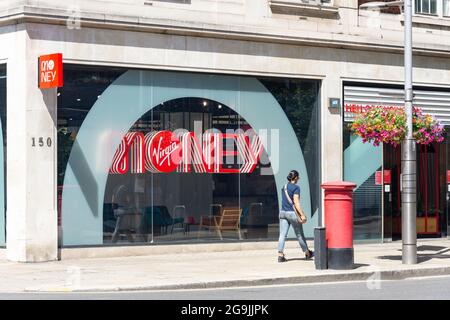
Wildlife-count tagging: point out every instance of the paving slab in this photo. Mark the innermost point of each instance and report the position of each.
(218, 269)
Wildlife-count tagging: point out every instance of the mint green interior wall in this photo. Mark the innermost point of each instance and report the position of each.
(361, 160)
(131, 96)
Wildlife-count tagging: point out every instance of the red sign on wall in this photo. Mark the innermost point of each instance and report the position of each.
(50, 71)
(448, 176)
(378, 178)
(387, 177)
(359, 108)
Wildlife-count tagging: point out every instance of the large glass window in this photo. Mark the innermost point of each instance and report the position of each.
(167, 157)
(361, 163)
(2, 153)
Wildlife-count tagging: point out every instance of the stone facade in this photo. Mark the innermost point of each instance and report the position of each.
(333, 42)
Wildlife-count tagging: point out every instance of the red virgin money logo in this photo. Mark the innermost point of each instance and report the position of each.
(162, 148)
(165, 151)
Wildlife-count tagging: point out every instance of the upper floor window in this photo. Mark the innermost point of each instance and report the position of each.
(446, 8)
(426, 7)
(439, 8)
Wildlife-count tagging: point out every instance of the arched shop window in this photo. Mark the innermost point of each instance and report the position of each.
(112, 124)
(186, 205)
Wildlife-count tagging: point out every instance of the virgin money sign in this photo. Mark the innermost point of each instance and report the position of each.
(162, 149)
(50, 71)
(165, 151)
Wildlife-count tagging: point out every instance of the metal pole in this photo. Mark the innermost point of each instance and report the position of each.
(409, 233)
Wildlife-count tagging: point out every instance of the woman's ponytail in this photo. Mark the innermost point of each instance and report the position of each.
(293, 174)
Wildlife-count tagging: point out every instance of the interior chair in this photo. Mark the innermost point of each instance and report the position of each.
(229, 219)
(160, 218)
(178, 215)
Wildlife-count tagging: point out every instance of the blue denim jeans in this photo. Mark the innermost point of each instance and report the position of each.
(288, 218)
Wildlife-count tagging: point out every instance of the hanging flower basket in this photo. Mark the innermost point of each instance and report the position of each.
(388, 125)
(426, 129)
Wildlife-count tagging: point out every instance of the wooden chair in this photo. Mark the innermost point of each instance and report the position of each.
(228, 220)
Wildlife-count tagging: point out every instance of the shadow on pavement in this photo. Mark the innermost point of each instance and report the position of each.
(431, 248)
(439, 253)
(300, 259)
(355, 265)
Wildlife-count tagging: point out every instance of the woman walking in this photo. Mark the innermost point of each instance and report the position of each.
(292, 214)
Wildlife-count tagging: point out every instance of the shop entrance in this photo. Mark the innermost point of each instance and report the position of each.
(432, 204)
(377, 169)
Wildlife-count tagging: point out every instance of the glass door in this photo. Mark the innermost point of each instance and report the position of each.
(431, 191)
(392, 194)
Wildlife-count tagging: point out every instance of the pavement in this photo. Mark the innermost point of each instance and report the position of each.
(218, 269)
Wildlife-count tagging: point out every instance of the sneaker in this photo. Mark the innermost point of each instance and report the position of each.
(309, 254)
(281, 259)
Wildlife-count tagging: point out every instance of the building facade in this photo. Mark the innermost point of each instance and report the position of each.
(243, 91)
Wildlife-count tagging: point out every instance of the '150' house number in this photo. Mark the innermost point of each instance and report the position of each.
(41, 142)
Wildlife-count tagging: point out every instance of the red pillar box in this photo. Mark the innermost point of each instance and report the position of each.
(339, 223)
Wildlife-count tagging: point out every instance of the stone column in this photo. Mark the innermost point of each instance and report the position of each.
(31, 213)
(331, 134)
(332, 155)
